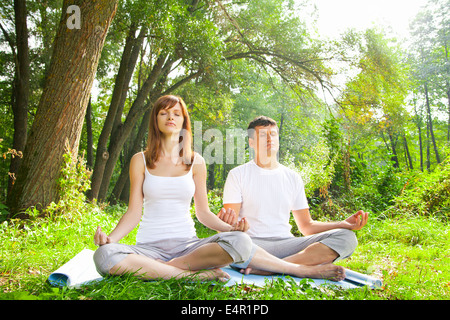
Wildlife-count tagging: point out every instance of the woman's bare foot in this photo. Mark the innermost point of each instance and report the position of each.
(212, 274)
(249, 270)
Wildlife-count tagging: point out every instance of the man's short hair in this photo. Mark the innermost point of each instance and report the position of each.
(262, 121)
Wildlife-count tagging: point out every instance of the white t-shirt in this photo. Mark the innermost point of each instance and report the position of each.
(267, 197)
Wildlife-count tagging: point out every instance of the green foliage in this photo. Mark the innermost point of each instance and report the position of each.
(3, 212)
(409, 252)
(355, 184)
(257, 57)
(334, 135)
(378, 192)
(73, 182)
(31, 249)
(410, 255)
(427, 193)
(316, 169)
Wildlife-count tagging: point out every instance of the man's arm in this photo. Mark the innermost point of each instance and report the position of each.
(308, 226)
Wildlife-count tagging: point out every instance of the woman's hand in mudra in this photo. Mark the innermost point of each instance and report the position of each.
(100, 238)
(241, 225)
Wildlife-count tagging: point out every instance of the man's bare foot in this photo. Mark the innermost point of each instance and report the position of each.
(325, 271)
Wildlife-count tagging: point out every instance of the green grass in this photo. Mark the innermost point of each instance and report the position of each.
(410, 254)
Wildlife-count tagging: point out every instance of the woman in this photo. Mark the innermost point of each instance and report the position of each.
(163, 180)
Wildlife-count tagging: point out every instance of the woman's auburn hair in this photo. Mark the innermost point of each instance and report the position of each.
(154, 145)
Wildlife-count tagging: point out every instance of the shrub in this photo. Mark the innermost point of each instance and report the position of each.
(427, 193)
(316, 170)
(73, 182)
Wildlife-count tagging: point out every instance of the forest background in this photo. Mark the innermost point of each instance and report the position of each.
(365, 118)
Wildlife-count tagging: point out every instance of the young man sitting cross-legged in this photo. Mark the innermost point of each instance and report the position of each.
(265, 192)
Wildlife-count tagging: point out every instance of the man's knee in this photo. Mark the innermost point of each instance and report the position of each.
(348, 241)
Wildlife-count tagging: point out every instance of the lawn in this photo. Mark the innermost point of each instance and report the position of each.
(410, 254)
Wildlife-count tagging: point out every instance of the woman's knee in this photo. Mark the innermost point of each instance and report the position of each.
(103, 258)
(241, 246)
(245, 245)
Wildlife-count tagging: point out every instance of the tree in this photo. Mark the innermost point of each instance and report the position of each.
(440, 10)
(201, 42)
(21, 86)
(375, 98)
(60, 114)
(168, 48)
(430, 61)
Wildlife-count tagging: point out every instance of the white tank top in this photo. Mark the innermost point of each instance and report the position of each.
(167, 202)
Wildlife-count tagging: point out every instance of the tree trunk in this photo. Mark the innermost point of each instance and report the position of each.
(436, 152)
(428, 146)
(60, 114)
(124, 75)
(448, 120)
(21, 87)
(419, 123)
(211, 175)
(447, 91)
(394, 151)
(408, 155)
(122, 132)
(89, 139)
(121, 182)
(280, 132)
(119, 137)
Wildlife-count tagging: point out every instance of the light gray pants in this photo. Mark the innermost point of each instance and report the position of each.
(342, 241)
(237, 244)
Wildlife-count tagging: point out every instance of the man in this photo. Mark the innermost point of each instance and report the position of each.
(265, 192)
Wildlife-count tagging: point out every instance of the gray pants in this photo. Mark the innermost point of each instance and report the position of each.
(342, 241)
(237, 244)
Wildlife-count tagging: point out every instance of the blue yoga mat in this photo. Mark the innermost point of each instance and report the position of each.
(353, 280)
(81, 270)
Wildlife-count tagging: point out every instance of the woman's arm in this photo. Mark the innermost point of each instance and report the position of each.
(134, 213)
(202, 211)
